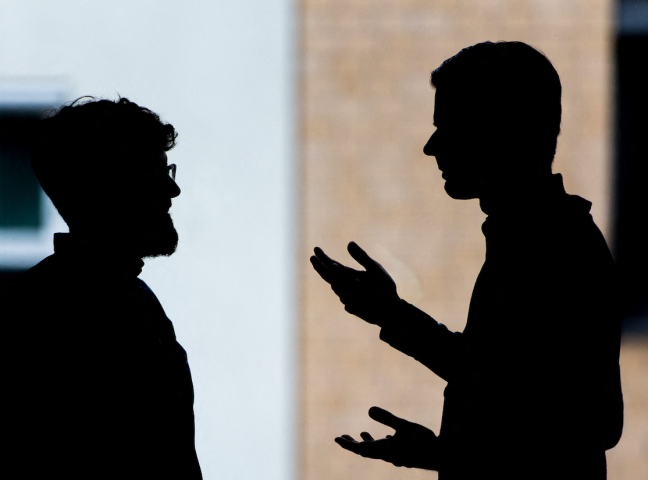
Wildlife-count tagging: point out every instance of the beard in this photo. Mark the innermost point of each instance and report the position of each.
(159, 237)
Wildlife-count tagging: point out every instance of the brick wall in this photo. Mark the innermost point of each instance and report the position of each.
(366, 112)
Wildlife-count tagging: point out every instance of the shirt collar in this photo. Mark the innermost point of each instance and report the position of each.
(550, 202)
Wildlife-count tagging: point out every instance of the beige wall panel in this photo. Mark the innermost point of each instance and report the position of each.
(366, 112)
(629, 459)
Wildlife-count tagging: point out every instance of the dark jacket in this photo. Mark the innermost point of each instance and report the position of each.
(99, 387)
(533, 380)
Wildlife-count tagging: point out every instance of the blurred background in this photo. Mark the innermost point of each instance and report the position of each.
(302, 123)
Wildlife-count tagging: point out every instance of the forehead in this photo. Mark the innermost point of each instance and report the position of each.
(451, 106)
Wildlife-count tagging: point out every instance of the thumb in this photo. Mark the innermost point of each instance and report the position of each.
(386, 418)
(360, 256)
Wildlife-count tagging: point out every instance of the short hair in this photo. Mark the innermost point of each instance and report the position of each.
(90, 134)
(518, 87)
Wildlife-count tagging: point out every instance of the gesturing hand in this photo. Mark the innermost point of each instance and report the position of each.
(369, 294)
(412, 446)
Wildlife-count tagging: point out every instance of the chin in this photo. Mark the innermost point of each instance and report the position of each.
(160, 239)
(459, 192)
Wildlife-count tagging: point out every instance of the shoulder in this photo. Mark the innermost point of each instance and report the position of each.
(155, 309)
(567, 227)
(31, 282)
(146, 293)
(582, 237)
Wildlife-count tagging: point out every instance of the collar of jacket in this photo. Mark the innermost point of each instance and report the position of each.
(552, 202)
(102, 254)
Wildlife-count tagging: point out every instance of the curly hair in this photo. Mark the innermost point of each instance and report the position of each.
(90, 134)
(518, 87)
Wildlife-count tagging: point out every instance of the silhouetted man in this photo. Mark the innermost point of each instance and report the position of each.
(98, 385)
(533, 380)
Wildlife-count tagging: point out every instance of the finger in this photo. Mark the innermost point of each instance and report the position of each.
(366, 436)
(360, 448)
(360, 256)
(324, 258)
(348, 437)
(386, 418)
(337, 270)
(347, 444)
(321, 269)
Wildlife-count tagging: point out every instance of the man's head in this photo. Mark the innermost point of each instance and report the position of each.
(497, 113)
(104, 165)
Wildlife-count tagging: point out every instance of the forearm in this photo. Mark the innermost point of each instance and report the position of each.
(418, 335)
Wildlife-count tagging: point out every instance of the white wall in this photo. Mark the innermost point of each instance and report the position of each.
(222, 73)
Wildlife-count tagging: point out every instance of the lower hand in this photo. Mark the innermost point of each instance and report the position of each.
(412, 446)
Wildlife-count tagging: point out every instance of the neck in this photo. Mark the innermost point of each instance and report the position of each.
(513, 195)
(109, 243)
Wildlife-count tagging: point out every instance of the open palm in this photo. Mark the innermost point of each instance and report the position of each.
(369, 294)
(412, 445)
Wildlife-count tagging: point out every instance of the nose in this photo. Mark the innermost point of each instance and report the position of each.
(173, 189)
(431, 146)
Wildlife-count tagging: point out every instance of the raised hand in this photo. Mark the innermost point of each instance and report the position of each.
(412, 446)
(369, 294)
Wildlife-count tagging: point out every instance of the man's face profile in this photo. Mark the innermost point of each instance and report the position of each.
(137, 205)
(151, 192)
(461, 146)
